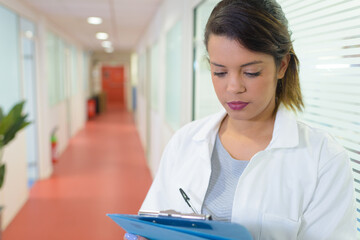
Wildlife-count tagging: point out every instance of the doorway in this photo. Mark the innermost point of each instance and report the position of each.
(113, 81)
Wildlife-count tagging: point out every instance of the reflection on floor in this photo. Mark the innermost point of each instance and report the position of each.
(103, 170)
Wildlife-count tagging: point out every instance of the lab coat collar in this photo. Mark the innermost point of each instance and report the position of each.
(285, 134)
(211, 126)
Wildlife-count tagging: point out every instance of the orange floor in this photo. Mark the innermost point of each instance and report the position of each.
(103, 170)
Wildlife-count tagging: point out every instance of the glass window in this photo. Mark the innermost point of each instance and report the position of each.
(60, 58)
(74, 70)
(173, 76)
(51, 68)
(10, 89)
(205, 101)
(86, 71)
(142, 73)
(155, 76)
(56, 57)
(327, 42)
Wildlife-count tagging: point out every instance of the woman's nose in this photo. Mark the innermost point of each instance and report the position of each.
(236, 84)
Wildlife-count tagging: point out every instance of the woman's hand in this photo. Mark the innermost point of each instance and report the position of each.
(129, 236)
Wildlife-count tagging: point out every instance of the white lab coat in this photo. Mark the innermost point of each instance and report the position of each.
(299, 187)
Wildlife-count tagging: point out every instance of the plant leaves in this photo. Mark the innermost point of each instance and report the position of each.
(17, 126)
(1, 114)
(12, 123)
(2, 174)
(11, 117)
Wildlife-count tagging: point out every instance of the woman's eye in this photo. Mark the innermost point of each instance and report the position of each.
(252, 75)
(220, 74)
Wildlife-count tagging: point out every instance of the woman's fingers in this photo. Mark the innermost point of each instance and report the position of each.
(129, 236)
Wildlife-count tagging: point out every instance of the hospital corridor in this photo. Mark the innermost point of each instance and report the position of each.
(92, 178)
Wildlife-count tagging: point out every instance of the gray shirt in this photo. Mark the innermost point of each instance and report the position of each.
(225, 174)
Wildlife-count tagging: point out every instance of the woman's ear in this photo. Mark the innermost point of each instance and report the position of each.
(283, 66)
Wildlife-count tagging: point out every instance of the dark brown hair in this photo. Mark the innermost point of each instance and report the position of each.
(260, 26)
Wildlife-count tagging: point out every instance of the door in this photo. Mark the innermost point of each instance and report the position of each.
(113, 85)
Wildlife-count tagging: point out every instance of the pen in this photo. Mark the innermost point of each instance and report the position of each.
(187, 200)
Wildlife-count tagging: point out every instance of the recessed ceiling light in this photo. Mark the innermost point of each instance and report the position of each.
(106, 44)
(29, 34)
(109, 50)
(94, 20)
(102, 35)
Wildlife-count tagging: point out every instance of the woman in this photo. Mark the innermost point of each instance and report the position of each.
(255, 164)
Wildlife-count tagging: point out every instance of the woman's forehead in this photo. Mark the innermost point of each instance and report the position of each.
(222, 50)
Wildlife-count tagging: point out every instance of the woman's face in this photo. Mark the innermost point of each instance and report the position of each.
(244, 81)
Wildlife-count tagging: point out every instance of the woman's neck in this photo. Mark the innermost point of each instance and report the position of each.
(250, 129)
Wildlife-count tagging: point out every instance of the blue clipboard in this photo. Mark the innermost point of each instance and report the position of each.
(165, 228)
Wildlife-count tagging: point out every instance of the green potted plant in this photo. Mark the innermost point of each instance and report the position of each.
(10, 124)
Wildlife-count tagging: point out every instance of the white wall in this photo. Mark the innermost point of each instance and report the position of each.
(15, 192)
(153, 129)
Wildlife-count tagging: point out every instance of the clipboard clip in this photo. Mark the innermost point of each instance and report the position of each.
(174, 214)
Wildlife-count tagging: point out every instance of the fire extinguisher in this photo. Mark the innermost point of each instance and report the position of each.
(54, 158)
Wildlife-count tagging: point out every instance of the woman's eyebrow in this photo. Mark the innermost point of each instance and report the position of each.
(244, 65)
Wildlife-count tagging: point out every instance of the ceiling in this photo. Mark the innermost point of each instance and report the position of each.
(124, 20)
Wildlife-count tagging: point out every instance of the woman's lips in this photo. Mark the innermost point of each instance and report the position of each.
(237, 105)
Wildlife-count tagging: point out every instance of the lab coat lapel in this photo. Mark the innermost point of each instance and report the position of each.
(285, 133)
(204, 142)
